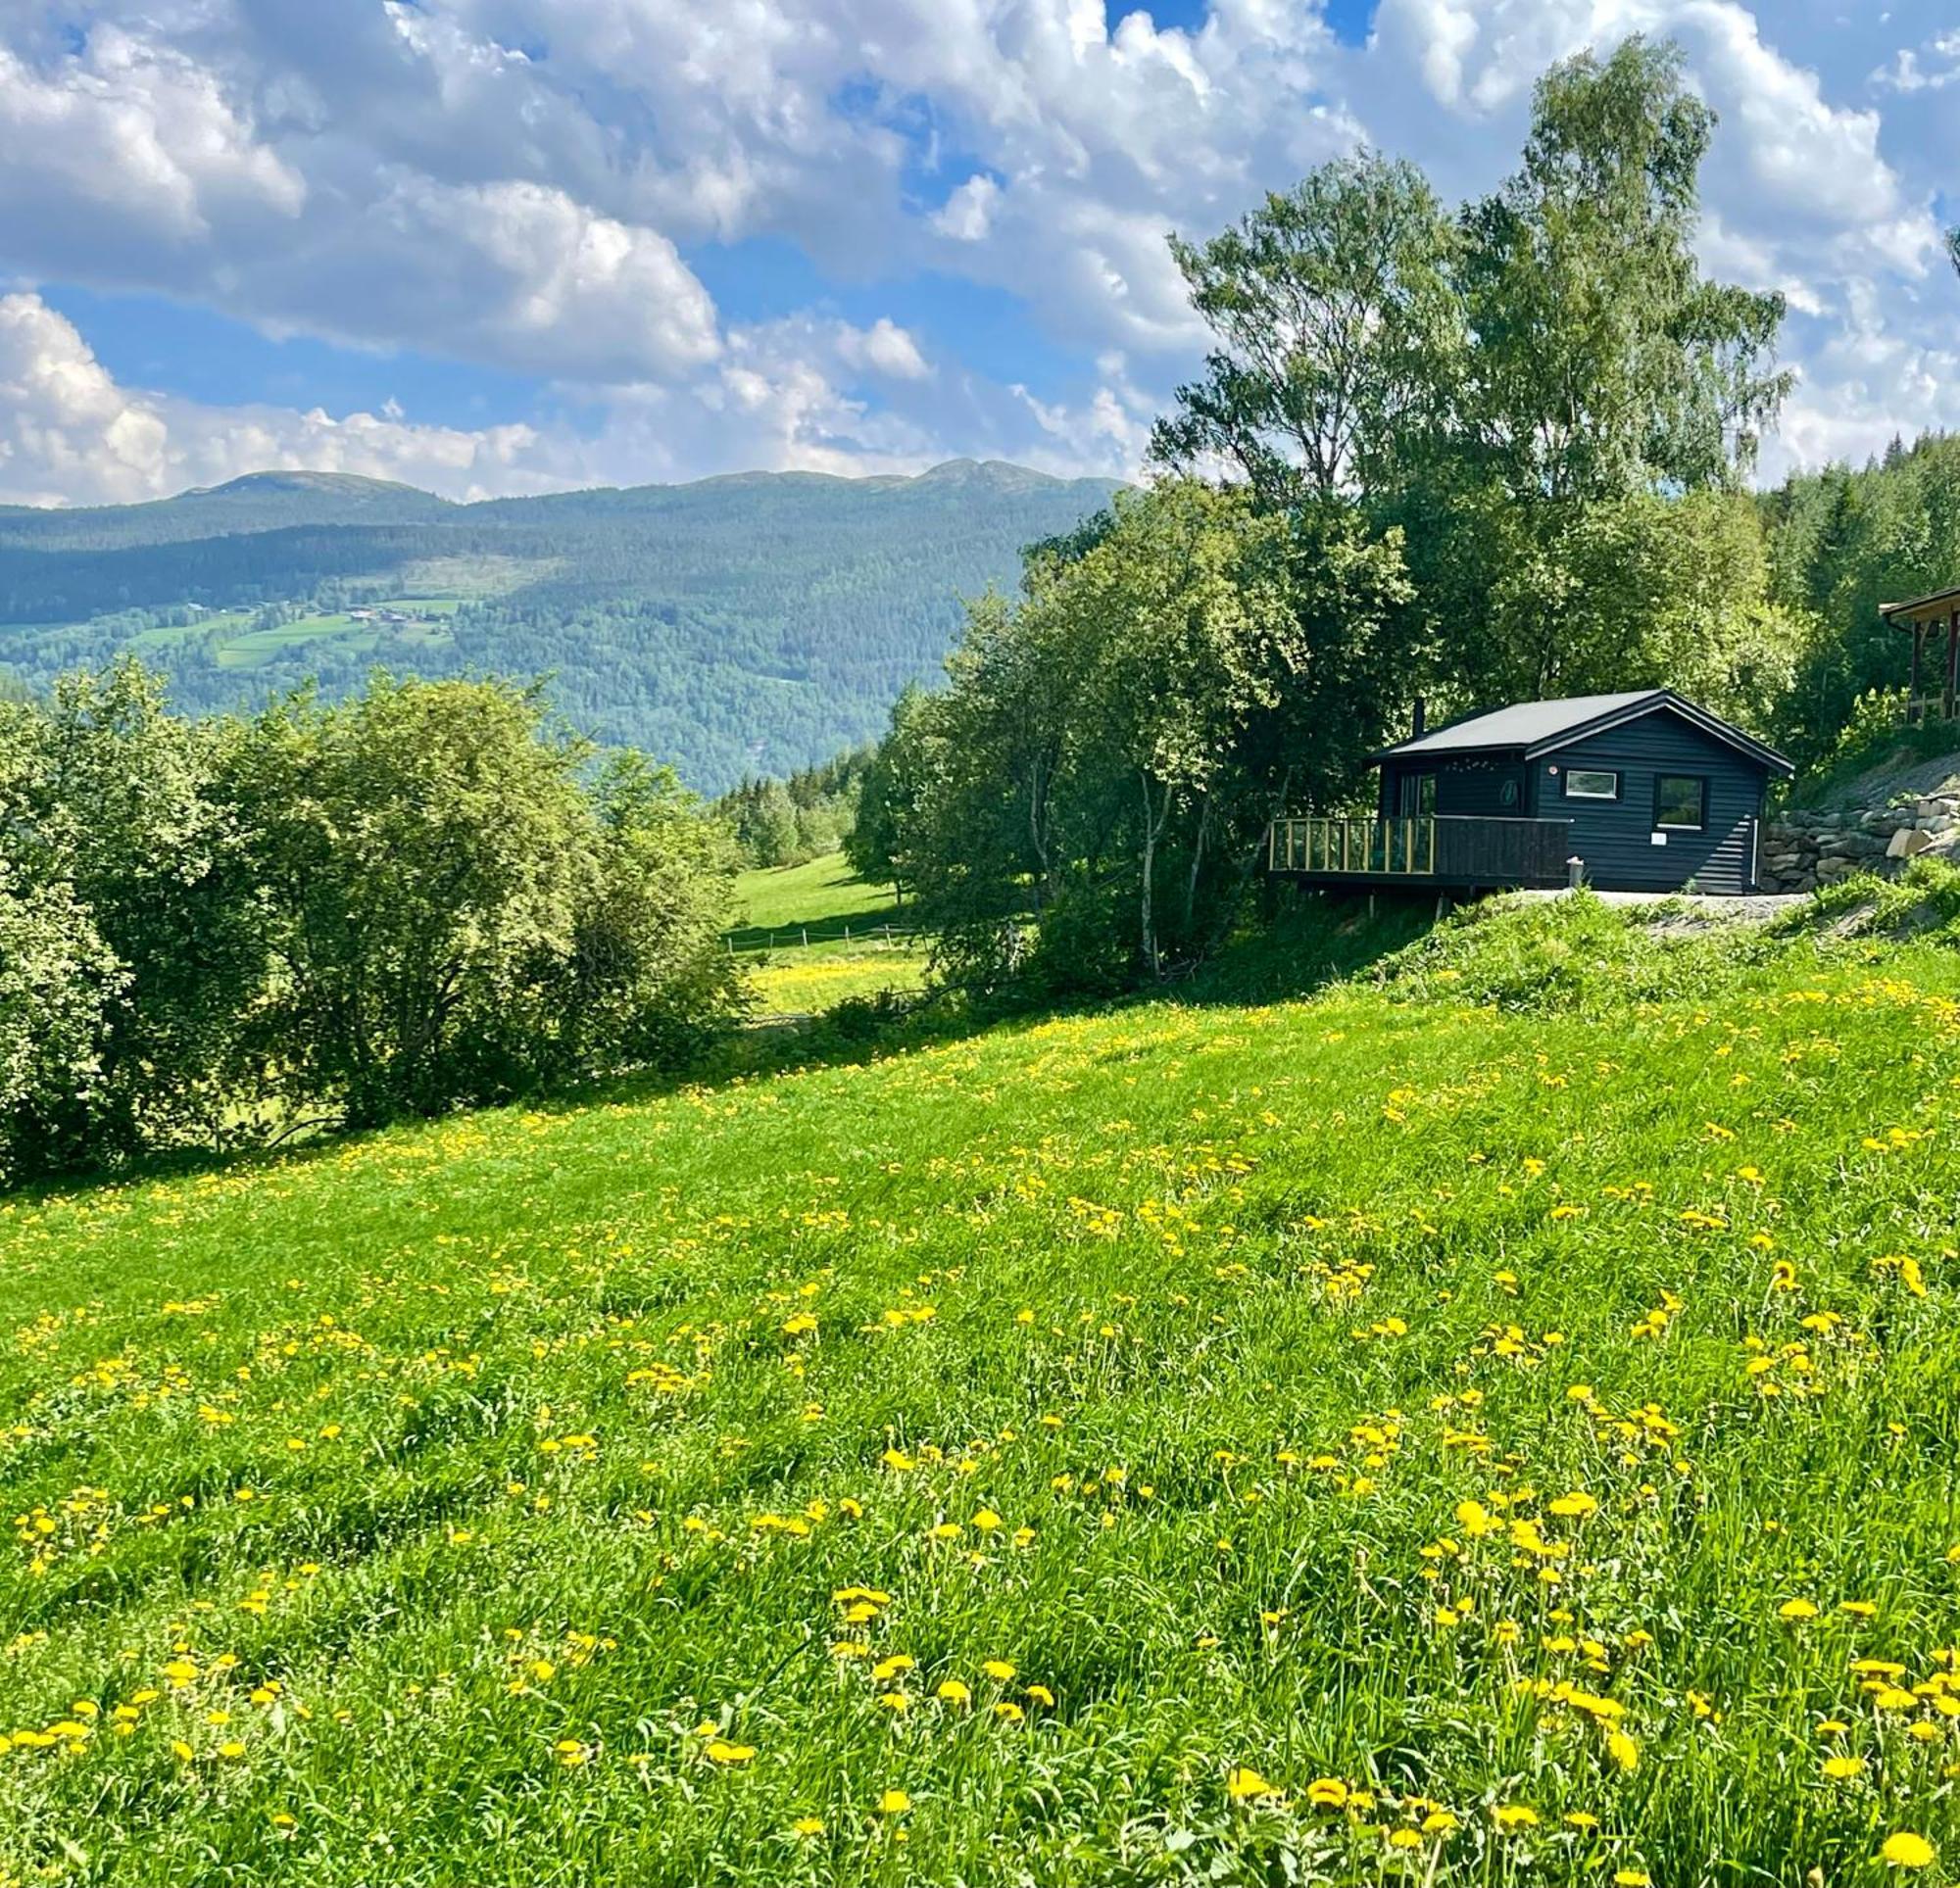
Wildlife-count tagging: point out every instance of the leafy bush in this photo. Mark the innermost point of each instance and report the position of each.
(413, 900)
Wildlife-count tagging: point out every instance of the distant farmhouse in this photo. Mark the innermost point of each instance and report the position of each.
(1638, 792)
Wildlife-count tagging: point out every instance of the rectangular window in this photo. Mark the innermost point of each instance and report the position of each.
(1591, 782)
(1681, 803)
(1418, 796)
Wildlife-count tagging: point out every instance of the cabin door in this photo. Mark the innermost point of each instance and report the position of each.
(1416, 796)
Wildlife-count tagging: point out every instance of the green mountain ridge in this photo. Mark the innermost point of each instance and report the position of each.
(754, 622)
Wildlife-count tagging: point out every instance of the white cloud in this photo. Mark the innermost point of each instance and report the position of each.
(1906, 74)
(520, 183)
(967, 215)
(69, 434)
(127, 137)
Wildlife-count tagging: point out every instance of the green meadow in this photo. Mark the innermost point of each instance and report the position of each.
(860, 941)
(1494, 1419)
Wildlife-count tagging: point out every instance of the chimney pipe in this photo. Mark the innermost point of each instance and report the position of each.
(1418, 718)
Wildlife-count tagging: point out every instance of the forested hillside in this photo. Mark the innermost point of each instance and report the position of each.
(1844, 541)
(756, 623)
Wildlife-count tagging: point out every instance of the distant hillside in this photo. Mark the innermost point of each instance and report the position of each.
(753, 623)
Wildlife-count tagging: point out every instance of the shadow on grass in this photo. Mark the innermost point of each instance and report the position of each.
(871, 923)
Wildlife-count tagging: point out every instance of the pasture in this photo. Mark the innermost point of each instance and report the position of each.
(1395, 1436)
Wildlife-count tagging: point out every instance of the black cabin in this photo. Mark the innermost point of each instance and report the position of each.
(1648, 791)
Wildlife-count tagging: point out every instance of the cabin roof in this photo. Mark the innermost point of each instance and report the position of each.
(1921, 610)
(1532, 728)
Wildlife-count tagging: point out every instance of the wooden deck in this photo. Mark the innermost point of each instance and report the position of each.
(1440, 852)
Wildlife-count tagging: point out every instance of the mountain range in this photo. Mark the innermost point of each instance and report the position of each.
(745, 624)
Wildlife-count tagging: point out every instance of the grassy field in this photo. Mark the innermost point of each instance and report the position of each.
(1479, 1426)
(821, 896)
(845, 919)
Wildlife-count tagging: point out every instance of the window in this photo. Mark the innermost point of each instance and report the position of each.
(1680, 801)
(1591, 782)
(1418, 796)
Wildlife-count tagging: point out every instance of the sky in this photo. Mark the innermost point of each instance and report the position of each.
(505, 245)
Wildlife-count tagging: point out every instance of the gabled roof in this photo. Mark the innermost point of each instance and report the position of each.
(1534, 728)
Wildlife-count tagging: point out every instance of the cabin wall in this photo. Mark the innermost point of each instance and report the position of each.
(1467, 788)
(1615, 837)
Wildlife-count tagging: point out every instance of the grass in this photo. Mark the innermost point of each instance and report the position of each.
(848, 957)
(821, 896)
(1391, 1437)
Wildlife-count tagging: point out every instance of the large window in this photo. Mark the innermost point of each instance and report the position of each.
(1591, 782)
(1681, 803)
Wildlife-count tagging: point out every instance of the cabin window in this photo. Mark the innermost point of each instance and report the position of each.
(1418, 796)
(1681, 803)
(1592, 783)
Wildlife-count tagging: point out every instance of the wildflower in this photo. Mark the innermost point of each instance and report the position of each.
(1795, 1609)
(1625, 1753)
(807, 1826)
(1631, 1879)
(1327, 1793)
(1840, 1769)
(722, 1751)
(1905, 1850)
(1243, 1783)
(999, 1669)
(1404, 1839)
(1512, 1818)
(1042, 1695)
(1439, 1823)
(1575, 1506)
(893, 1803)
(953, 1692)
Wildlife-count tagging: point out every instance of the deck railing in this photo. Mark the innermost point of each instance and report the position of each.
(1356, 845)
(1439, 850)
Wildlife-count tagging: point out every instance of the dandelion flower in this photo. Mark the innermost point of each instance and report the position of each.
(1795, 1610)
(1243, 1783)
(1327, 1792)
(893, 1803)
(1905, 1850)
(953, 1692)
(722, 1751)
(807, 1826)
(1841, 1770)
(1511, 1818)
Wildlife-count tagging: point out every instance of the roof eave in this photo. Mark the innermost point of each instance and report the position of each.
(1712, 725)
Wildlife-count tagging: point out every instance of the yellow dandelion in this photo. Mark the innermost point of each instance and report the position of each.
(1905, 1850)
(1242, 1784)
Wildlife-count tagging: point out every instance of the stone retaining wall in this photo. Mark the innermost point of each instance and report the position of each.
(1802, 850)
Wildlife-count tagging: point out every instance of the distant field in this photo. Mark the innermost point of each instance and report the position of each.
(824, 895)
(1385, 1439)
(822, 899)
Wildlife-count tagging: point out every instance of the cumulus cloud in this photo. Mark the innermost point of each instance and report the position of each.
(71, 434)
(524, 183)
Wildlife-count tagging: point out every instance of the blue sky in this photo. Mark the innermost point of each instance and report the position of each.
(510, 245)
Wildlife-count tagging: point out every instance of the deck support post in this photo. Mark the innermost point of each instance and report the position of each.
(1952, 660)
(1912, 683)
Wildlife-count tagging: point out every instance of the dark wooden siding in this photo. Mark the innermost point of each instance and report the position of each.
(1615, 836)
(1471, 787)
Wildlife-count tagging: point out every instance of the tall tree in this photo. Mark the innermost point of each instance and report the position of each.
(1339, 333)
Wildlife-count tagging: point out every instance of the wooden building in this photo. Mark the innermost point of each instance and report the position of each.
(1638, 792)
(1936, 656)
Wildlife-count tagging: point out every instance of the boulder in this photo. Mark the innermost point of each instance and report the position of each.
(1908, 843)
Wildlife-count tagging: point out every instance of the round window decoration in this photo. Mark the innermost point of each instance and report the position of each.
(1507, 794)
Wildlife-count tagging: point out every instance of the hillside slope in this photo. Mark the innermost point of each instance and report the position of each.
(753, 623)
(1370, 1439)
